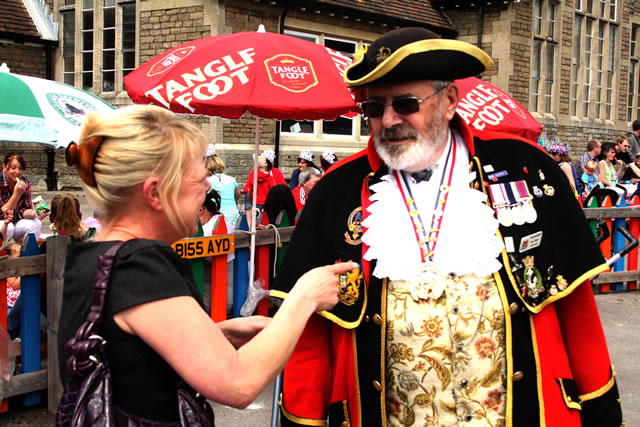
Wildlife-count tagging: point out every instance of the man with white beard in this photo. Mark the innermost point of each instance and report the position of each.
(472, 306)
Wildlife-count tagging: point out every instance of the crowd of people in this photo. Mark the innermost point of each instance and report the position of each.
(609, 165)
(414, 302)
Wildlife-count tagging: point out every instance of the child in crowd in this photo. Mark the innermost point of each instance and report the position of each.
(590, 178)
(66, 217)
(13, 292)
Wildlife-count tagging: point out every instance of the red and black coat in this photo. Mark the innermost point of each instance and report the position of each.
(558, 366)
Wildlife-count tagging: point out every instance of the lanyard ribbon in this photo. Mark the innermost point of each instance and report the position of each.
(427, 240)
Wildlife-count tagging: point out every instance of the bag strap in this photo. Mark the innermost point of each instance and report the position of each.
(83, 347)
(101, 284)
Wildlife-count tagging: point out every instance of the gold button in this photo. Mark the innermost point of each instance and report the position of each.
(377, 319)
(377, 386)
(476, 185)
(569, 399)
(517, 376)
(366, 318)
(345, 424)
(513, 308)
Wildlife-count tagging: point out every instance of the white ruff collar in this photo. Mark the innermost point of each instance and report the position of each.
(467, 244)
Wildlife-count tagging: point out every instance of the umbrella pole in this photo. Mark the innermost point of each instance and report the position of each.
(252, 249)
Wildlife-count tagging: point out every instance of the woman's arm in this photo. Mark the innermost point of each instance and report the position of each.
(175, 326)
(18, 190)
(601, 177)
(635, 170)
(566, 168)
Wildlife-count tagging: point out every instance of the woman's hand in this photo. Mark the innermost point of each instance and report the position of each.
(20, 187)
(241, 330)
(320, 285)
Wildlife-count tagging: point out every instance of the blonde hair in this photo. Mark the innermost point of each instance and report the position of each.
(215, 165)
(591, 166)
(140, 141)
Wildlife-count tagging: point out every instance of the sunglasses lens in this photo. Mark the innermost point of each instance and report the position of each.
(373, 109)
(405, 105)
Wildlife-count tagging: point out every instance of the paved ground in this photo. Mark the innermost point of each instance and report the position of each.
(620, 313)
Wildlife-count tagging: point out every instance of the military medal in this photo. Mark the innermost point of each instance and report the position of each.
(518, 215)
(537, 191)
(501, 204)
(561, 282)
(532, 278)
(428, 282)
(549, 190)
(504, 217)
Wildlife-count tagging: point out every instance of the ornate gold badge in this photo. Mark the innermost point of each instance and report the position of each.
(382, 54)
(349, 285)
(354, 227)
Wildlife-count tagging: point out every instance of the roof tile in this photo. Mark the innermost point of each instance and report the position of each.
(15, 19)
(413, 11)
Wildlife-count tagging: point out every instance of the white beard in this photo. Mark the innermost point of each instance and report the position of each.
(416, 155)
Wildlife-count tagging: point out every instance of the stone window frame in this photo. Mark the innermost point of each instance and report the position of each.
(633, 95)
(543, 57)
(315, 128)
(602, 18)
(87, 71)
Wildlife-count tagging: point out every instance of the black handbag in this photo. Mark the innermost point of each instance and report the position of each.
(87, 397)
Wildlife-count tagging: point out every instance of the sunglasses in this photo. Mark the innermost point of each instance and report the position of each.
(403, 106)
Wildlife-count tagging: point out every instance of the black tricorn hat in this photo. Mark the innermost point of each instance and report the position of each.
(414, 53)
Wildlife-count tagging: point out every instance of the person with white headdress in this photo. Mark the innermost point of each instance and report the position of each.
(265, 182)
(305, 159)
(328, 159)
(276, 173)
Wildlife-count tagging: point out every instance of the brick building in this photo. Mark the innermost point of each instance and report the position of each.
(572, 63)
(28, 39)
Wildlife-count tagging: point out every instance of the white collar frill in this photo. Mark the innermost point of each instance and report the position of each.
(468, 241)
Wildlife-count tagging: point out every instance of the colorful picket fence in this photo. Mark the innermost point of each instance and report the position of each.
(610, 224)
(37, 374)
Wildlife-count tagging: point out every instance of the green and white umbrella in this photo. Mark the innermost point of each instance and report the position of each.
(43, 111)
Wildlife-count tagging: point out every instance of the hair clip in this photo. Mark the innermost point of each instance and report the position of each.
(83, 157)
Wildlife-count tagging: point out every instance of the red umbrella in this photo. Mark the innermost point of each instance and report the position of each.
(487, 108)
(272, 76)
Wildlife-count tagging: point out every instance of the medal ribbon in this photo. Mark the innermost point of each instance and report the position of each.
(436, 220)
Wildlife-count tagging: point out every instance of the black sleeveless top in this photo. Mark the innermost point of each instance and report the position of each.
(145, 270)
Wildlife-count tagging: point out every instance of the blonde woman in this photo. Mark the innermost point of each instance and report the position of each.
(143, 168)
(227, 188)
